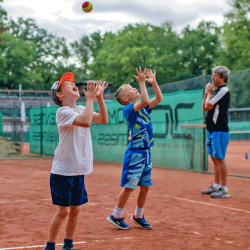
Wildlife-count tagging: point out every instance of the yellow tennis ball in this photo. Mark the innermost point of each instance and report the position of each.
(87, 7)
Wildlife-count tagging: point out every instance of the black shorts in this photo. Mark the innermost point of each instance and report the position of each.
(68, 190)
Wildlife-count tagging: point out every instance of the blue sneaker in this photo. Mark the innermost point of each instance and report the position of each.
(68, 248)
(141, 222)
(118, 222)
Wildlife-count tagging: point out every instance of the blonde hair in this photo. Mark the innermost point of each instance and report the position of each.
(120, 93)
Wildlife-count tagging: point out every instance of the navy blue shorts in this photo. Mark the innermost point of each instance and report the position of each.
(68, 190)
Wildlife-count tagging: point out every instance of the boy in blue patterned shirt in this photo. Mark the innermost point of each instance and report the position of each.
(137, 163)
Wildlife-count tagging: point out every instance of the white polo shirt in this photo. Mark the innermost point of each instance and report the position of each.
(74, 153)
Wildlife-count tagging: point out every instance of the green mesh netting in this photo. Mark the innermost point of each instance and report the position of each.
(110, 140)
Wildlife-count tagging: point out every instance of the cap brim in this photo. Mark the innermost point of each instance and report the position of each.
(66, 77)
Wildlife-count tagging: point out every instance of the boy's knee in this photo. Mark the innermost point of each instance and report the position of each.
(63, 212)
(144, 189)
(75, 210)
(128, 190)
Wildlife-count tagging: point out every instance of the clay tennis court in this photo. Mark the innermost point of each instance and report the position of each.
(181, 217)
(235, 158)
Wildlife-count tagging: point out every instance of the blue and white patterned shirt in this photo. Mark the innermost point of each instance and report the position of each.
(140, 125)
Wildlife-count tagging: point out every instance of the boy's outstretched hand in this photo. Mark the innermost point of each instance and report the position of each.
(142, 76)
(100, 88)
(151, 77)
(90, 94)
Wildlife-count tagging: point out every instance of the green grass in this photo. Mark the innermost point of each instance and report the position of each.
(11, 150)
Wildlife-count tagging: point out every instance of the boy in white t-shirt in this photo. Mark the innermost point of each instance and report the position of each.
(74, 155)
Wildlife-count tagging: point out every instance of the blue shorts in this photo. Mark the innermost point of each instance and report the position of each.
(137, 167)
(217, 142)
(68, 190)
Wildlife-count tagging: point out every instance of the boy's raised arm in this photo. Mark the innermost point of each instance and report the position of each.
(158, 95)
(141, 78)
(85, 119)
(102, 117)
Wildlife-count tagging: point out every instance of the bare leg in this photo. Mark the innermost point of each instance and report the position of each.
(72, 222)
(216, 171)
(56, 222)
(142, 196)
(222, 167)
(123, 197)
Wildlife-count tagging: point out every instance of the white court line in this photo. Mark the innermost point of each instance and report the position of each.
(10, 248)
(75, 243)
(197, 233)
(125, 238)
(217, 238)
(207, 204)
(24, 200)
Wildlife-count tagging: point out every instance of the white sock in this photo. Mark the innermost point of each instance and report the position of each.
(225, 188)
(138, 212)
(117, 212)
(217, 186)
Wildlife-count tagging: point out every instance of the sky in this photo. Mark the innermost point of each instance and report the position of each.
(65, 18)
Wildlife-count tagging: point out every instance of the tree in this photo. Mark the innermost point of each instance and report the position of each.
(3, 21)
(82, 52)
(199, 49)
(236, 36)
(140, 45)
(51, 58)
(15, 65)
(235, 54)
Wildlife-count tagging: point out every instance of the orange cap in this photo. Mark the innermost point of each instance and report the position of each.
(66, 77)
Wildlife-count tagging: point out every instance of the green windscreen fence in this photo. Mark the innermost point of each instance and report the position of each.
(43, 130)
(110, 140)
(195, 150)
(1, 124)
(183, 107)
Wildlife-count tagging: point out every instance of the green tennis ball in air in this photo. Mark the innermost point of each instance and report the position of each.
(87, 7)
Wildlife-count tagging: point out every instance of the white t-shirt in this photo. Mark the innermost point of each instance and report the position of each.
(74, 153)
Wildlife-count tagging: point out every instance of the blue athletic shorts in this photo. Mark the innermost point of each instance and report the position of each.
(68, 190)
(137, 167)
(217, 142)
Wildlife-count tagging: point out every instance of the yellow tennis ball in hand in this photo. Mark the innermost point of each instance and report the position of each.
(87, 7)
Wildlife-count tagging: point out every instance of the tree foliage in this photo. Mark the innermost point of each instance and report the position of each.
(236, 36)
(35, 58)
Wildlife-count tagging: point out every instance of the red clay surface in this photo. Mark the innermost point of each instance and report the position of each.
(235, 158)
(181, 217)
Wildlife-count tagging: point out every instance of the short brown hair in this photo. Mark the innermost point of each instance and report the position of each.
(120, 93)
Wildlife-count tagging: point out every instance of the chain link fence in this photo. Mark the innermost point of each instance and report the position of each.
(239, 117)
(238, 151)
